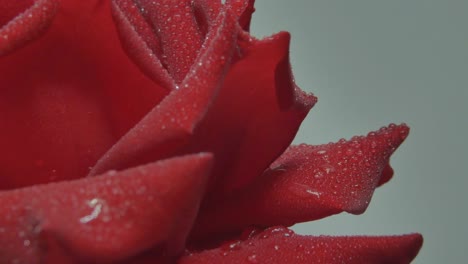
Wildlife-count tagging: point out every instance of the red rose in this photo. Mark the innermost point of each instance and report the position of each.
(136, 131)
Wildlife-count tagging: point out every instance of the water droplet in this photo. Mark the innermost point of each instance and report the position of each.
(403, 134)
(235, 245)
(349, 151)
(27, 242)
(321, 152)
(276, 229)
(231, 246)
(278, 168)
(303, 190)
(315, 193)
(98, 206)
(383, 129)
(249, 232)
(318, 174)
(252, 259)
(327, 168)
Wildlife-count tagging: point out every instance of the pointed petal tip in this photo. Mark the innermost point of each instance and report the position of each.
(311, 182)
(305, 100)
(403, 248)
(417, 241)
(397, 135)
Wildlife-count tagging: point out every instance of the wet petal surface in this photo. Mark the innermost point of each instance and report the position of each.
(280, 245)
(307, 183)
(168, 128)
(106, 218)
(66, 97)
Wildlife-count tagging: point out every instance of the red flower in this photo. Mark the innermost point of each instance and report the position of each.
(173, 148)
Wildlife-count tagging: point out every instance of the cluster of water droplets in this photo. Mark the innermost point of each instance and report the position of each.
(261, 246)
(177, 32)
(19, 230)
(345, 172)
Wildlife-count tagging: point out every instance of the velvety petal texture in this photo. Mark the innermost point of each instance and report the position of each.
(307, 183)
(258, 95)
(169, 126)
(106, 218)
(68, 96)
(23, 21)
(278, 245)
(249, 107)
(159, 131)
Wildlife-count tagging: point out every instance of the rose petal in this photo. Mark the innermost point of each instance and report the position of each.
(23, 21)
(258, 96)
(205, 12)
(68, 96)
(169, 125)
(279, 245)
(162, 38)
(105, 218)
(245, 9)
(347, 172)
(178, 33)
(140, 42)
(11, 9)
(307, 183)
(386, 175)
(251, 123)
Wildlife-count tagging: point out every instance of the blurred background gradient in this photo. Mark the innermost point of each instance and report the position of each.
(374, 62)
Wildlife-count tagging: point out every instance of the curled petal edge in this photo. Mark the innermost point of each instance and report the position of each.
(169, 126)
(27, 26)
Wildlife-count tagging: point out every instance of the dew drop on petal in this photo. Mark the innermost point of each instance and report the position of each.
(98, 206)
(321, 152)
(303, 190)
(327, 168)
(252, 259)
(27, 242)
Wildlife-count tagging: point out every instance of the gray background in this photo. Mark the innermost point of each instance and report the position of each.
(380, 61)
